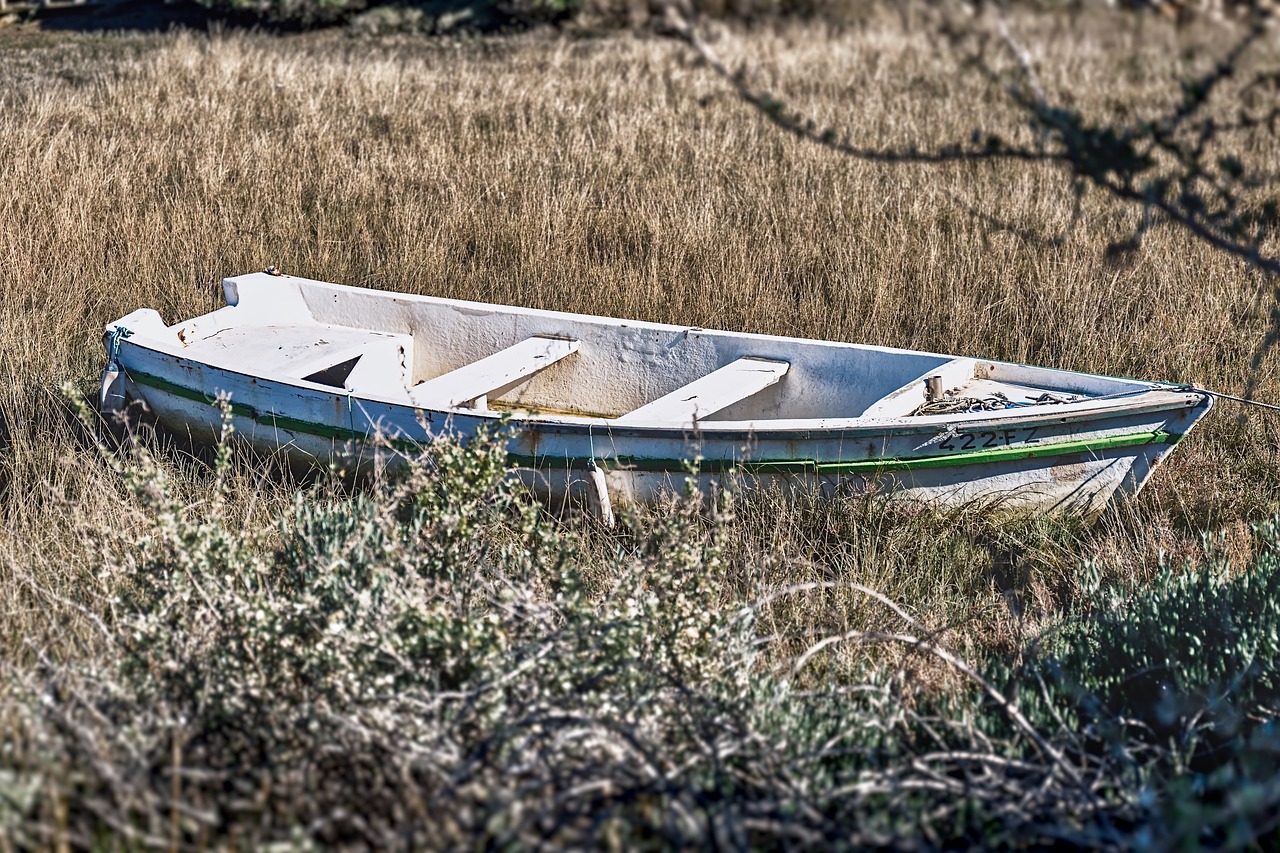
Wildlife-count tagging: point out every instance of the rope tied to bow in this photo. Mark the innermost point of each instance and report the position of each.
(115, 337)
(1193, 389)
(110, 389)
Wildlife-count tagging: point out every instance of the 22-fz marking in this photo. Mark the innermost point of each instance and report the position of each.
(989, 439)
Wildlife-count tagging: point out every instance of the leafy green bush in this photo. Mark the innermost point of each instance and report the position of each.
(1192, 654)
(1177, 682)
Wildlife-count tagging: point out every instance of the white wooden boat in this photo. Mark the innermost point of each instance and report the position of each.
(617, 410)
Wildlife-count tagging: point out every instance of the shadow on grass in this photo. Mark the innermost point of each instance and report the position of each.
(137, 16)
(433, 17)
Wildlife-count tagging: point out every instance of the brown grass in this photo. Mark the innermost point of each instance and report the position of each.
(613, 176)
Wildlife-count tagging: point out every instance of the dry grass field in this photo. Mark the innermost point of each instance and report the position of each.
(612, 175)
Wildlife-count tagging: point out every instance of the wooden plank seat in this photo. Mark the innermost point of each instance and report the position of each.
(470, 386)
(294, 350)
(717, 390)
(378, 365)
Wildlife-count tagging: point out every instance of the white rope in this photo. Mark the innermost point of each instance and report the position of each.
(1233, 397)
(996, 402)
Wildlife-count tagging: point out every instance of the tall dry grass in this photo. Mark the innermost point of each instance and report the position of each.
(158, 630)
(612, 176)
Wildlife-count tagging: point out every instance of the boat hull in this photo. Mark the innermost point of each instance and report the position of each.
(1073, 462)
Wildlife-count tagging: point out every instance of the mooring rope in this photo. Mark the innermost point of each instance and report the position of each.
(351, 415)
(1194, 390)
(114, 337)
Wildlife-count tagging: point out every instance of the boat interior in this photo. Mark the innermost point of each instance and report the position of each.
(445, 354)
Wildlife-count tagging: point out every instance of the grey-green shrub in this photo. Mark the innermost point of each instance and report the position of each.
(437, 661)
(1191, 655)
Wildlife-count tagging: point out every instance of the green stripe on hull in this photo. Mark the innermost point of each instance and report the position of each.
(270, 419)
(980, 457)
(872, 466)
(680, 466)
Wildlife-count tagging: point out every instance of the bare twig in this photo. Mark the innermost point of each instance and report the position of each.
(1121, 160)
(1007, 706)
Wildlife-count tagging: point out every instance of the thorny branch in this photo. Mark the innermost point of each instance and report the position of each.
(1169, 165)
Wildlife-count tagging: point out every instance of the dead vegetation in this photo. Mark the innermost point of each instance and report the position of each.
(608, 176)
(616, 176)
